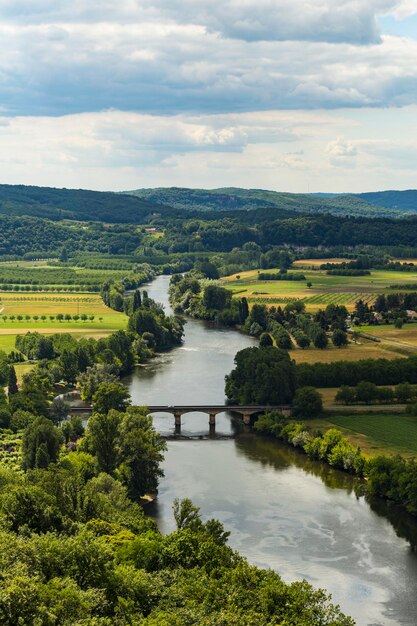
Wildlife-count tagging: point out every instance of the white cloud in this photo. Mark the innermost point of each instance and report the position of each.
(404, 9)
(286, 150)
(313, 20)
(174, 68)
(229, 91)
(342, 153)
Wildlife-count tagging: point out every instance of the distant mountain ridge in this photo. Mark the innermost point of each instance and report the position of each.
(395, 200)
(378, 204)
(138, 207)
(75, 204)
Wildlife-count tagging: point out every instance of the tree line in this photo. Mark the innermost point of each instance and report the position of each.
(391, 478)
(377, 371)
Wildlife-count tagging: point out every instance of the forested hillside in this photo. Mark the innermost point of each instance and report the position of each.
(198, 232)
(398, 201)
(36, 236)
(78, 204)
(228, 199)
(142, 205)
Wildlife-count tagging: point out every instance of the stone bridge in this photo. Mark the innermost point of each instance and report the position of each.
(178, 410)
(212, 410)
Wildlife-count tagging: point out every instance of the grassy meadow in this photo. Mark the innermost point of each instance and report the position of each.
(406, 335)
(352, 352)
(376, 433)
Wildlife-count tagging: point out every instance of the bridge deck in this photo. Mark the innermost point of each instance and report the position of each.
(203, 408)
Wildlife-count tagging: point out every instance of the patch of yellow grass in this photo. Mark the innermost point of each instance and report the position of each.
(307, 263)
(407, 334)
(22, 368)
(351, 353)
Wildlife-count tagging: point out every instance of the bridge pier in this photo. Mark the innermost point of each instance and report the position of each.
(212, 424)
(246, 418)
(177, 416)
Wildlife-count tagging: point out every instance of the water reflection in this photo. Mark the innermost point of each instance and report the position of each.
(271, 453)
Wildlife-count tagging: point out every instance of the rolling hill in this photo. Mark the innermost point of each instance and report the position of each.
(229, 199)
(76, 204)
(401, 201)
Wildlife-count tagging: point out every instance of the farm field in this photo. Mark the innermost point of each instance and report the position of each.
(376, 433)
(325, 289)
(352, 352)
(27, 264)
(31, 273)
(105, 320)
(407, 334)
(308, 263)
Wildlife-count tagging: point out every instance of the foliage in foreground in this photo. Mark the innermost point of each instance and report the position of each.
(76, 551)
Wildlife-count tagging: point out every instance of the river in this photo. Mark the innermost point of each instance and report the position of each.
(284, 512)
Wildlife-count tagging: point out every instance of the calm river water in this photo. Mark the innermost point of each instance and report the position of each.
(284, 512)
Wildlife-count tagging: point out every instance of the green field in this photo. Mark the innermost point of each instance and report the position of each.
(325, 289)
(105, 321)
(375, 433)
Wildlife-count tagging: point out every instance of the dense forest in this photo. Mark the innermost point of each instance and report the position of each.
(236, 198)
(74, 204)
(57, 224)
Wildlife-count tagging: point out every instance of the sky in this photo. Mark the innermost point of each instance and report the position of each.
(291, 95)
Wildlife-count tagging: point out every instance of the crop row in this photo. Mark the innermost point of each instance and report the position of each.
(339, 298)
(48, 299)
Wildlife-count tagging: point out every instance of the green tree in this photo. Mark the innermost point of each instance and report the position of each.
(4, 369)
(208, 270)
(110, 396)
(217, 298)
(137, 300)
(258, 315)
(140, 453)
(12, 388)
(339, 338)
(366, 392)
(265, 340)
(261, 376)
(404, 392)
(308, 402)
(59, 410)
(346, 395)
(302, 340)
(28, 506)
(320, 340)
(186, 514)
(41, 443)
(102, 439)
(90, 380)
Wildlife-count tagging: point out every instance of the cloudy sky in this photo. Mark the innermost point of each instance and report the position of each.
(292, 95)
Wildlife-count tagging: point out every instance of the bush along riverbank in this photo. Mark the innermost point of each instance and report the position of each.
(391, 478)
